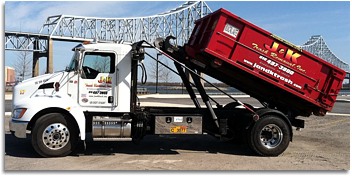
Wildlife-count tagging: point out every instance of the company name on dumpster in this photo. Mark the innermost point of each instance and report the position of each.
(290, 57)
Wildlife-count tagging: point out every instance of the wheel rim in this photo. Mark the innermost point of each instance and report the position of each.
(56, 136)
(271, 136)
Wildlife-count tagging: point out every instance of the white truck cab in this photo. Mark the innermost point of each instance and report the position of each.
(53, 106)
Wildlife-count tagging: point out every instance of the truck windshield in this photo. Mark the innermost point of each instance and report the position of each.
(74, 62)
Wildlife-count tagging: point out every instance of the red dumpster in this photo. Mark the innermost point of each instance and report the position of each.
(276, 72)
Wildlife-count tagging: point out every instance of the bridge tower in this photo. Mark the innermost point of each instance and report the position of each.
(317, 46)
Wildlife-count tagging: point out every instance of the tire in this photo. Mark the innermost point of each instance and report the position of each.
(54, 136)
(269, 136)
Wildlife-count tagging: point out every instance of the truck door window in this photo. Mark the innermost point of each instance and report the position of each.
(95, 63)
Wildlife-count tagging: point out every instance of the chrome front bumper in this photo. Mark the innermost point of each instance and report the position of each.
(18, 128)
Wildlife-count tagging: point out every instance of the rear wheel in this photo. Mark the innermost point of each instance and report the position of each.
(269, 136)
(53, 136)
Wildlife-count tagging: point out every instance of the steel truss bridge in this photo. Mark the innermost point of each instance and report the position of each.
(178, 22)
(317, 46)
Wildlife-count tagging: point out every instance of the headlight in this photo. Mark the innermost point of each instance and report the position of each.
(18, 113)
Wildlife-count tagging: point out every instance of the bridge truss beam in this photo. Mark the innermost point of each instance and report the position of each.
(178, 22)
(19, 41)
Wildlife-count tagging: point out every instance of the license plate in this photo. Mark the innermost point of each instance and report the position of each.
(178, 129)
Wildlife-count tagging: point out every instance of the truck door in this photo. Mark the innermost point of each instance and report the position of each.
(97, 80)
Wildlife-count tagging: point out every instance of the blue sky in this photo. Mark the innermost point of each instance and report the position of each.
(293, 21)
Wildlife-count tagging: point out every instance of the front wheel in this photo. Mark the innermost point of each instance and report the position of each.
(54, 136)
(269, 136)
